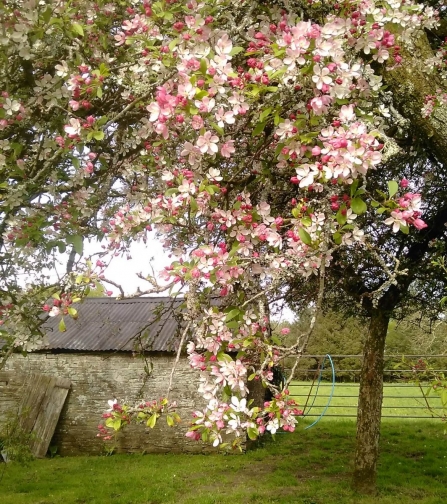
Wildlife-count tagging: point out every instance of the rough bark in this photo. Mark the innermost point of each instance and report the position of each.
(370, 403)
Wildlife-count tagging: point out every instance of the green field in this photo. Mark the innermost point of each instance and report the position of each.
(397, 401)
(311, 466)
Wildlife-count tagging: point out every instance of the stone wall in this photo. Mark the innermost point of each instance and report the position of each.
(97, 377)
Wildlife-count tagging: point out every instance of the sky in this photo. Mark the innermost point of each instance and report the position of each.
(124, 271)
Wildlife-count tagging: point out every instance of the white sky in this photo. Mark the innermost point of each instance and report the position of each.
(124, 271)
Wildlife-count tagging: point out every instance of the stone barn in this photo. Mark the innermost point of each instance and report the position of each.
(122, 349)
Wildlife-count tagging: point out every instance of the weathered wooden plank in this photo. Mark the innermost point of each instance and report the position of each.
(42, 403)
(48, 417)
(32, 398)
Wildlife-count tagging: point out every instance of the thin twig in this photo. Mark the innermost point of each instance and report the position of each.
(117, 285)
(313, 319)
(177, 358)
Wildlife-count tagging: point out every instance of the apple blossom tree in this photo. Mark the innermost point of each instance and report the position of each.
(242, 134)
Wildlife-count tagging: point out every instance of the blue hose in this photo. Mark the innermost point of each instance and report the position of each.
(316, 391)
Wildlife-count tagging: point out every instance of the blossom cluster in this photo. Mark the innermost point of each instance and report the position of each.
(239, 133)
(322, 146)
(118, 416)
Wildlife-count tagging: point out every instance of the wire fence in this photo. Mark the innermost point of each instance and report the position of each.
(402, 398)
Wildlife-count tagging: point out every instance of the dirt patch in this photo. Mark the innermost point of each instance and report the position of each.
(415, 455)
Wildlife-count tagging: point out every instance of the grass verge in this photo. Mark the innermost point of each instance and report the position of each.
(308, 467)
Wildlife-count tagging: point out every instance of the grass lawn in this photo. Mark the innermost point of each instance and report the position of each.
(308, 467)
(399, 400)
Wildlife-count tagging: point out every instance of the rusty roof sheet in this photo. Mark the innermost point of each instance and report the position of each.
(146, 323)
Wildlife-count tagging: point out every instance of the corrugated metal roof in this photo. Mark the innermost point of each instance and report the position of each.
(111, 324)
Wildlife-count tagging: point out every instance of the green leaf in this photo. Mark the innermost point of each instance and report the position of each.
(46, 16)
(358, 206)
(77, 28)
(341, 216)
(104, 70)
(169, 420)
(305, 236)
(393, 187)
(99, 92)
(193, 205)
(223, 357)
(98, 135)
(275, 340)
(279, 148)
(259, 128)
(152, 421)
(252, 433)
(203, 66)
(236, 50)
(265, 113)
(375, 204)
(72, 312)
(444, 397)
(173, 44)
(218, 128)
(337, 238)
(62, 326)
(232, 314)
(101, 121)
(404, 229)
(171, 191)
(295, 212)
(354, 186)
(201, 94)
(212, 189)
(78, 244)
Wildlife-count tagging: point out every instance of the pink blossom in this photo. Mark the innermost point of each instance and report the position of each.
(196, 122)
(207, 143)
(419, 224)
(228, 149)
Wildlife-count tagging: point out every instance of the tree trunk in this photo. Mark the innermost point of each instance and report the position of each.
(370, 403)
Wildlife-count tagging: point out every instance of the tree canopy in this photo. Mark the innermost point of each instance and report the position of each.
(280, 150)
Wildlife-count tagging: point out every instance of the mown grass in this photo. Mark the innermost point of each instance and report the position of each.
(397, 400)
(311, 466)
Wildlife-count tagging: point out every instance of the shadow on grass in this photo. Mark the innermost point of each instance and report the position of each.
(308, 466)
